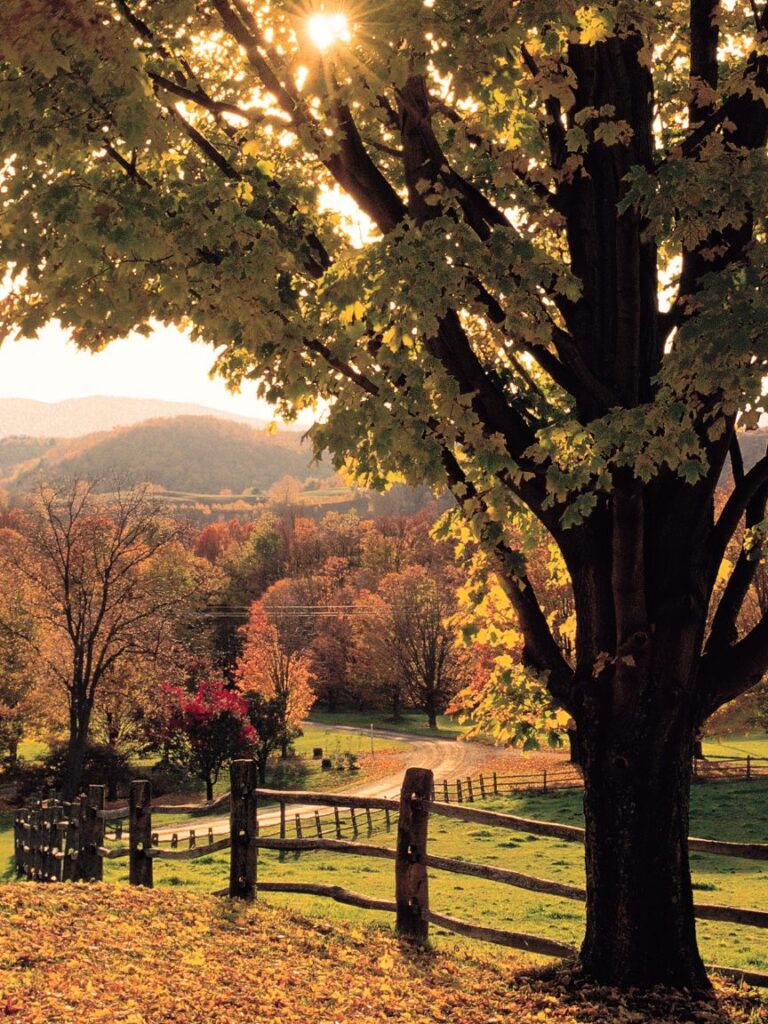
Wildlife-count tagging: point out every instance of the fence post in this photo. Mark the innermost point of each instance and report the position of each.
(299, 834)
(369, 820)
(282, 820)
(76, 843)
(495, 784)
(140, 833)
(411, 887)
(446, 795)
(482, 788)
(749, 767)
(545, 781)
(354, 820)
(470, 794)
(242, 823)
(338, 822)
(56, 842)
(318, 825)
(386, 818)
(92, 866)
(458, 790)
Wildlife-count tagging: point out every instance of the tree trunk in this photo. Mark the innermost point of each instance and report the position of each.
(209, 788)
(432, 718)
(75, 761)
(261, 763)
(640, 925)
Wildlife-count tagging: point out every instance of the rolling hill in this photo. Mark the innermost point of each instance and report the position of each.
(77, 417)
(192, 454)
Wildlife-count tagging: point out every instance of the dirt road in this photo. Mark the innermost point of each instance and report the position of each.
(447, 759)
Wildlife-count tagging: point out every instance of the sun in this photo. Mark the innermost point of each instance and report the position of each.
(325, 29)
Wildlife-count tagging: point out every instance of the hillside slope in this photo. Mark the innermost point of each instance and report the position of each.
(76, 417)
(98, 954)
(189, 453)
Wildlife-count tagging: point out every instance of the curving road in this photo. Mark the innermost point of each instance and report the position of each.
(447, 759)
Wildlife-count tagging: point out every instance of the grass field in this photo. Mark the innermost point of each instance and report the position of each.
(413, 723)
(736, 811)
(725, 747)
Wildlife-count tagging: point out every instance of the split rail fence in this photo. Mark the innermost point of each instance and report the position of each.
(59, 842)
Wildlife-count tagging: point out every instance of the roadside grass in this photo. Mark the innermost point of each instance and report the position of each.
(734, 811)
(411, 722)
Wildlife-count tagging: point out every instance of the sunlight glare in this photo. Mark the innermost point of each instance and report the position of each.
(326, 29)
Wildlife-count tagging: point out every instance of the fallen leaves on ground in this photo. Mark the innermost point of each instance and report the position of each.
(100, 954)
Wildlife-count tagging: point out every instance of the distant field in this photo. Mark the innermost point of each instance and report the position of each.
(411, 722)
(754, 745)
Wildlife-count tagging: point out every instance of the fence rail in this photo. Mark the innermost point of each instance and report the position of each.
(57, 841)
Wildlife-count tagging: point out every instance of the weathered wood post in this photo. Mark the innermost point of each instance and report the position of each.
(386, 818)
(318, 825)
(458, 790)
(495, 784)
(446, 794)
(369, 819)
(140, 833)
(482, 787)
(353, 816)
(282, 819)
(243, 778)
(749, 767)
(92, 865)
(470, 792)
(192, 839)
(76, 838)
(337, 819)
(56, 843)
(411, 888)
(544, 789)
(299, 833)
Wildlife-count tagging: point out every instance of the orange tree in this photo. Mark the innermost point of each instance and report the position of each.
(275, 670)
(519, 250)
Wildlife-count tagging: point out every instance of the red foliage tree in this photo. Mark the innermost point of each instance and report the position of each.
(207, 729)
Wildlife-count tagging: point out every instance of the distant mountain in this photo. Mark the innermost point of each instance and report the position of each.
(77, 417)
(193, 454)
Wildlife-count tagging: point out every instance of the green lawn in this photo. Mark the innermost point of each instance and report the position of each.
(756, 745)
(412, 722)
(723, 811)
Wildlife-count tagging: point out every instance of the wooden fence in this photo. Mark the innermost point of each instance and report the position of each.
(58, 842)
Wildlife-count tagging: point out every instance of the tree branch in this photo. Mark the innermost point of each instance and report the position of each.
(734, 509)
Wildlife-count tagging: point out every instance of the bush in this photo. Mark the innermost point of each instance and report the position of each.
(326, 764)
(103, 766)
(167, 778)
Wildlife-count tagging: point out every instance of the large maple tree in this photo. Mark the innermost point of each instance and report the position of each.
(517, 248)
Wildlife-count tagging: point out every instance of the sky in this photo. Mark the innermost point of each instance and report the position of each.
(165, 365)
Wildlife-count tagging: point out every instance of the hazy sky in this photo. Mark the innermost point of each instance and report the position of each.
(165, 365)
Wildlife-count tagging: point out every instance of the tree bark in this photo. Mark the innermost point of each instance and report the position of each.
(209, 788)
(75, 762)
(640, 924)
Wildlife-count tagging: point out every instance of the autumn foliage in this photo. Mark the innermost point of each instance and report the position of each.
(166, 957)
(207, 729)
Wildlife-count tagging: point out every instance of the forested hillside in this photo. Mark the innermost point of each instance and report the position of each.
(187, 453)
